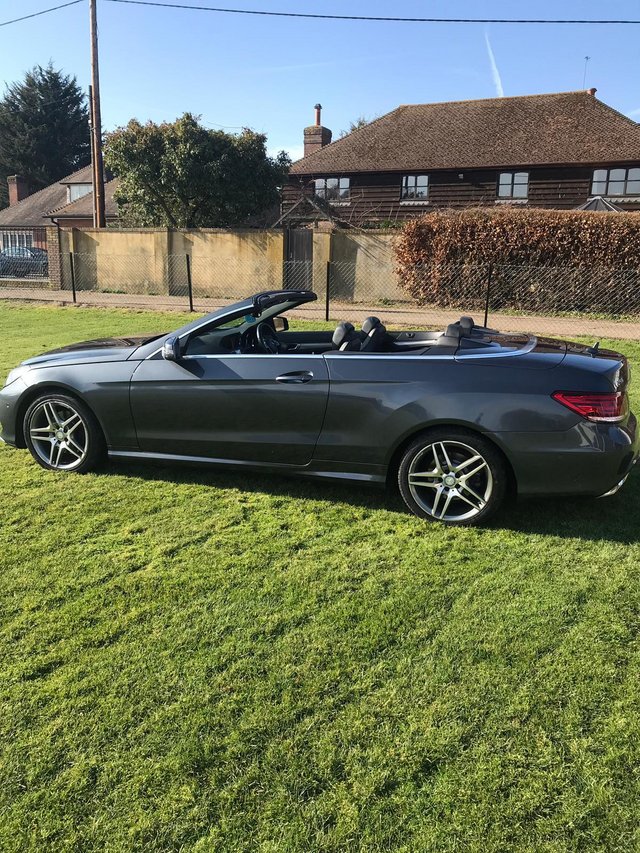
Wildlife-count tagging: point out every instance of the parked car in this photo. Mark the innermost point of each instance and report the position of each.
(455, 419)
(24, 262)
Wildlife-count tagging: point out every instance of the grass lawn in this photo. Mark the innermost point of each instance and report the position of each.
(205, 661)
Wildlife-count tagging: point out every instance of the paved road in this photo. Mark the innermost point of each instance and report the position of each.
(393, 316)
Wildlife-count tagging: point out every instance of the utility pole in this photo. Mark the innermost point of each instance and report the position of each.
(93, 155)
(96, 123)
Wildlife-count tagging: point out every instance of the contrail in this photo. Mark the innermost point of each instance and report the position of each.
(494, 67)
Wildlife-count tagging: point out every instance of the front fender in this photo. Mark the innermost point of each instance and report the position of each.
(104, 387)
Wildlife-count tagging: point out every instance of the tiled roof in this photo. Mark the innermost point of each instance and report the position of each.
(555, 129)
(33, 210)
(82, 176)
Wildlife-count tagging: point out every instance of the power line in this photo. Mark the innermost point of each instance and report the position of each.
(333, 17)
(371, 17)
(43, 12)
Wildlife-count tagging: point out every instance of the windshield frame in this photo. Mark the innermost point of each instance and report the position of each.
(261, 306)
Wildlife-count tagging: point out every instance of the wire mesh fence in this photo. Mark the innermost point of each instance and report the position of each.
(567, 301)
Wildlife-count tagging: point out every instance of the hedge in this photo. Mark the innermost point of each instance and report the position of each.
(540, 259)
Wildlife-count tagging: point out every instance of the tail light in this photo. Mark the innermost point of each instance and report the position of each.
(608, 406)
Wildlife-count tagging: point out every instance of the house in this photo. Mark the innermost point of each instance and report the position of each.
(553, 150)
(67, 203)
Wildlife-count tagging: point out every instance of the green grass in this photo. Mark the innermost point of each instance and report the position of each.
(204, 661)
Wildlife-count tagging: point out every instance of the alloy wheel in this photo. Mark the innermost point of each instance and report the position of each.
(59, 435)
(450, 481)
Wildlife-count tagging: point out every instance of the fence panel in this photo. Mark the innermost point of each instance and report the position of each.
(562, 301)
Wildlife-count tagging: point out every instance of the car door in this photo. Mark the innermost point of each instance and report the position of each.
(247, 407)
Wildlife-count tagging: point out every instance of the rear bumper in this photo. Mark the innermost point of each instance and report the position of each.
(588, 459)
(618, 486)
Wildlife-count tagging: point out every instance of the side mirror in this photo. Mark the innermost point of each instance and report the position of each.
(171, 348)
(280, 324)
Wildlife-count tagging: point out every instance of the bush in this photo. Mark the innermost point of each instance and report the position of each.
(564, 260)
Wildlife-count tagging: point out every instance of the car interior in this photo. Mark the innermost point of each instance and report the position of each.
(271, 335)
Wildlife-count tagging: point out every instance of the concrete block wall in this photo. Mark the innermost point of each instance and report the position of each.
(226, 263)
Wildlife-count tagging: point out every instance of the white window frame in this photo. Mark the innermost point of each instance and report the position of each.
(605, 178)
(16, 240)
(82, 191)
(507, 183)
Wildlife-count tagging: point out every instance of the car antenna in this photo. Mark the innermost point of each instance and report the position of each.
(594, 349)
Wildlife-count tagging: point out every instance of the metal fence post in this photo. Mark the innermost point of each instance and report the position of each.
(328, 292)
(488, 296)
(189, 283)
(72, 267)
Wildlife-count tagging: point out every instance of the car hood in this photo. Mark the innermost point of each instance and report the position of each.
(102, 349)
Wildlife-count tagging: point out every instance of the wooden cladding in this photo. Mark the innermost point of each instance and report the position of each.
(377, 196)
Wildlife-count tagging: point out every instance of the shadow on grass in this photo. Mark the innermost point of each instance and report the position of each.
(613, 519)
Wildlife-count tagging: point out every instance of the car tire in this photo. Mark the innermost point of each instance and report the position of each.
(63, 434)
(453, 476)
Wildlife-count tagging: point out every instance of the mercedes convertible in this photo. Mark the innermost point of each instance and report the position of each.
(456, 419)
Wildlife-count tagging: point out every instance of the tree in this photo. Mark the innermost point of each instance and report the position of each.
(184, 175)
(44, 129)
(361, 121)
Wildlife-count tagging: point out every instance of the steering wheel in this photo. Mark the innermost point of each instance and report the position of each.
(267, 338)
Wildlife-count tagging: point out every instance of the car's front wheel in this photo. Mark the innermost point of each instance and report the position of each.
(452, 476)
(63, 434)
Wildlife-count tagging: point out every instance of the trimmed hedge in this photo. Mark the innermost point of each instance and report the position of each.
(559, 260)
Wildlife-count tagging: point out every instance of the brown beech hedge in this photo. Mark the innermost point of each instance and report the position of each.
(541, 259)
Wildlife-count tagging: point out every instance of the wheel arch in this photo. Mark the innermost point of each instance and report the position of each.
(33, 392)
(395, 457)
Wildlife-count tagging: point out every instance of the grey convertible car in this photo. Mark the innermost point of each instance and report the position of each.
(457, 418)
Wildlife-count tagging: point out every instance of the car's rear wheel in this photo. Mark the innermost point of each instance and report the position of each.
(452, 476)
(63, 434)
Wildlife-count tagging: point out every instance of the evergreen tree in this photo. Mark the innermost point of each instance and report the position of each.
(361, 121)
(44, 129)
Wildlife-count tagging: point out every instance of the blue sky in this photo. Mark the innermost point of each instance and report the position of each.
(267, 73)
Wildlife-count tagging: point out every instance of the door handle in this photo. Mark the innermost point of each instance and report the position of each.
(295, 378)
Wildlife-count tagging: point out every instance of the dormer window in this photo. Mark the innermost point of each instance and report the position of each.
(76, 191)
(333, 190)
(616, 182)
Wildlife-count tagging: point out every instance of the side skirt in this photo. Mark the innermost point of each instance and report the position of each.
(274, 467)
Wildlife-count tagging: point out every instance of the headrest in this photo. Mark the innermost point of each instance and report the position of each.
(342, 333)
(376, 339)
(466, 325)
(461, 329)
(369, 324)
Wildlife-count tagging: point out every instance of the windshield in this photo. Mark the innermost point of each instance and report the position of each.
(242, 315)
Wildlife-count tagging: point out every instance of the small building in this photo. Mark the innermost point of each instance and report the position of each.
(67, 203)
(552, 151)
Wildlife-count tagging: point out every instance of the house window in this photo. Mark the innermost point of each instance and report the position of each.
(513, 185)
(616, 182)
(76, 191)
(16, 239)
(333, 190)
(415, 187)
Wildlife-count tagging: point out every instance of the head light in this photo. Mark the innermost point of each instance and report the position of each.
(16, 373)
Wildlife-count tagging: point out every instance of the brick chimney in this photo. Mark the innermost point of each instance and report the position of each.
(316, 136)
(592, 92)
(18, 189)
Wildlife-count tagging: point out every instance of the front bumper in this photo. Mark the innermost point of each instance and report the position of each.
(592, 459)
(9, 404)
